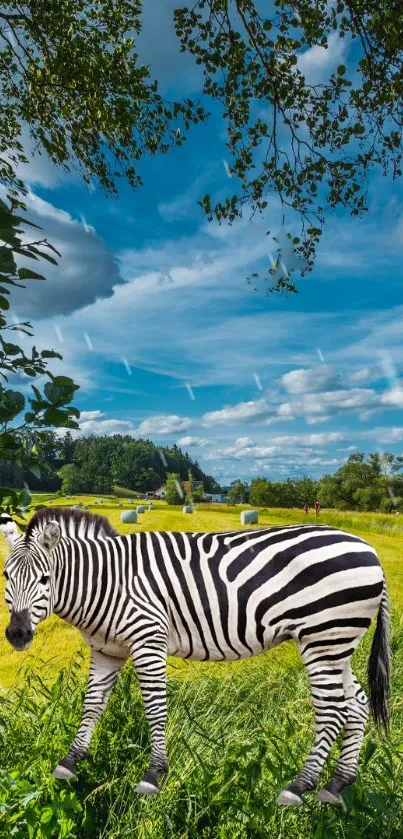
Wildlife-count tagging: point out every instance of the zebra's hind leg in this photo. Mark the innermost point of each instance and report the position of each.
(150, 663)
(101, 678)
(357, 715)
(327, 689)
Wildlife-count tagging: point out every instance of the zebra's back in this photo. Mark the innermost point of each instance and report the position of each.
(235, 594)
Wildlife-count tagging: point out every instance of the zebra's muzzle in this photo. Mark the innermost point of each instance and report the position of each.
(19, 632)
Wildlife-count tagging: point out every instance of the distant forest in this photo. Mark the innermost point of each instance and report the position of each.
(96, 464)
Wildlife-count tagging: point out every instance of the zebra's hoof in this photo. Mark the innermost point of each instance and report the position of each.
(145, 788)
(326, 797)
(289, 798)
(63, 773)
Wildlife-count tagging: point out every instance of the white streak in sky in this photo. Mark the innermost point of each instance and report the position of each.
(127, 365)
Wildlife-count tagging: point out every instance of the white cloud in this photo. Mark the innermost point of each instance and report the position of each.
(252, 410)
(320, 377)
(393, 396)
(365, 374)
(242, 442)
(94, 422)
(382, 436)
(329, 403)
(192, 441)
(321, 439)
(317, 63)
(163, 424)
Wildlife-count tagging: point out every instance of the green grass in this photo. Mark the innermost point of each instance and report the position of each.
(237, 733)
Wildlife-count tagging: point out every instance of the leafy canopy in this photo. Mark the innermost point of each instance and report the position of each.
(71, 75)
(310, 144)
(70, 72)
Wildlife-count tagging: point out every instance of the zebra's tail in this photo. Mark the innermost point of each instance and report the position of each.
(379, 665)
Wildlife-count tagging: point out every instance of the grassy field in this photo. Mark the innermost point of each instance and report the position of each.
(237, 732)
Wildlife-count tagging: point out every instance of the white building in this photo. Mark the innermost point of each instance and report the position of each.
(216, 497)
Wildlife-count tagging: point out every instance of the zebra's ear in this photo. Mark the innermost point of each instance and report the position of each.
(50, 536)
(9, 529)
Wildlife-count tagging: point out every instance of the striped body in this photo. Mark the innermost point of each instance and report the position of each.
(220, 596)
(216, 596)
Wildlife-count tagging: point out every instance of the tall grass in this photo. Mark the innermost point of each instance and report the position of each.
(237, 733)
(234, 740)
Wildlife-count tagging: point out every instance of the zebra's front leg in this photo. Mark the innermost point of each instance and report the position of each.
(101, 678)
(150, 663)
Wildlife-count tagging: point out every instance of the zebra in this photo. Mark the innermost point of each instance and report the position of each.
(216, 596)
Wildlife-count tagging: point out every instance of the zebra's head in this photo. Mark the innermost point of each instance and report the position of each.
(29, 588)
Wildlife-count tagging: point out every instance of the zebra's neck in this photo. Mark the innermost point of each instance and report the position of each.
(89, 574)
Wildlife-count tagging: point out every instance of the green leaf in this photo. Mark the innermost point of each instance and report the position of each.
(25, 498)
(27, 274)
(11, 403)
(34, 468)
(56, 394)
(11, 349)
(50, 354)
(7, 263)
(55, 416)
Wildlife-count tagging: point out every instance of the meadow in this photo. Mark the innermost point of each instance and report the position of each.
(237, 733)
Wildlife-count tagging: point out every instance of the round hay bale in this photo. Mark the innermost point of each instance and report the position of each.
(187, 509)
(128, 517)
(249, 517)
(140, 509)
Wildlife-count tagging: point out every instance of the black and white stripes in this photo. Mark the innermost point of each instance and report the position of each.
(216, 596)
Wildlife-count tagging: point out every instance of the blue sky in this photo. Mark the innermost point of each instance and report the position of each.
(152, 312)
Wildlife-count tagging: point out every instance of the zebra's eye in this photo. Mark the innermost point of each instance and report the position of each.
(44, 579)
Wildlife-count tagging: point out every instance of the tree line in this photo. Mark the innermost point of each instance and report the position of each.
(368, 483)
(96, 464)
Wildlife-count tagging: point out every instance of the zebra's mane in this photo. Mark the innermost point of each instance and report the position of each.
(72, 522)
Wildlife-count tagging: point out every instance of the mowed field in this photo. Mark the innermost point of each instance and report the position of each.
(237, 732)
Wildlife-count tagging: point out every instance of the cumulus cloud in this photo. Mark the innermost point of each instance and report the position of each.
(320, 377)
(317, 63)
(393, 396)
(192, 441)
(87, 269)
(242, 442)
(253, 410)
(320, 439)
(95, 422)
(163, 424)
(330, 403)
(383, 436)
(364, 374)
